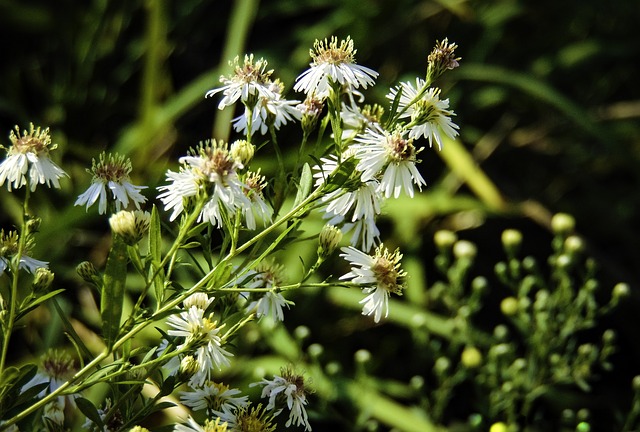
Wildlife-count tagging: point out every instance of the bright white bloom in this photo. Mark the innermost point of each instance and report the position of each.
(333, 64)
(356, 120)
(268, 274)
(364, 232)
(213, 397)
(111, 173)
(9, 246)
(198, 334)
(289, 387)
(360, 203)
(429, 115)
(389, 157)
(269, 110)
(248, 82)
(28, 159)
(379, 274)
(208, 169)
(258, 208)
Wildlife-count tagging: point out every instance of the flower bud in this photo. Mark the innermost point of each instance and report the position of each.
(315, 350)
(87, 272)
(138, 429)
(464, 249)
(43, 279)
(562, 223)
(509, 306)
(471, 357)
(33, 224)
(621, 290)
(511, 240)
(130, 225)
(362, 356)
(573, 244)
(499, 427)
(188, 367)
(444, 239)
(441, 365)
(329, 240)
(242, 151)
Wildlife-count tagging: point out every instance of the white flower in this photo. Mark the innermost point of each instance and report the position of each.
(213, 397)
(364, 232)
(429, 115)
(28, 159)
(356, 120)
(258, 209)
(363, 202)
(248, 81)
(271, 304)
(290, 387)
(333, 64)
(268, 274)
(379, 274)
(199, 334)
(211, 169)
(209, 426)
(269, 110)
(111, 173)
(391, 158)
(9, 246)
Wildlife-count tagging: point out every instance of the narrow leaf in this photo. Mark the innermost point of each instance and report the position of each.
(306, 181)
(89, 409)
(112, 295)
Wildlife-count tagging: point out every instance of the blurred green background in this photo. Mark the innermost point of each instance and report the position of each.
(547, 99)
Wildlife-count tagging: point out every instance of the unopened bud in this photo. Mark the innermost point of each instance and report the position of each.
(242, 151)
(328, 240)
(188, 367)
(87, 272)
(573, 244)
(509, 306)
(130, 225)
(471, 357)
(499, 427)
(43, 279)
(621, 290)
(464, 249)
(362, 356)
(511, 240)
(563, 223)
(441, 365)
(138, 429)
(444, 239)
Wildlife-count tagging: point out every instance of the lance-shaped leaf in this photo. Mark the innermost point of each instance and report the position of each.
(112, 296)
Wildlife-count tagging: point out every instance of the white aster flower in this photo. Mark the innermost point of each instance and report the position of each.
(258, 209)
(56, 368)
(28, 160)
(249, 81)
(364, 231)
(291, 388)
(333, 64)
(247, 418)
(213, 397)
(429, 114)
(379, 274)
(208, 169)
(199, 334)
(270, 110)
(389, 157)
(9, 247)
(111, 172)
(268, 274)
(356, 120)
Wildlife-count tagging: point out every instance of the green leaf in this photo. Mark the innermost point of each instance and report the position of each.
(89, 409)
(155, 252)
(112, 295)
(37, 301)
(306, 181)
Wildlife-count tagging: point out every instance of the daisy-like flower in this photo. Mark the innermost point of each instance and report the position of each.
(209, 169)
(209, 426)
(111, 172)
(268, 275)
(390, 157)
(290, 387)
(249, 81)
(258, 209)
(356, 120)
(429, 114)
(56, 368)
(270, 110)
(247, 418)
(333, 64)
(28, 160)
(9, 246)
(364, 231)
(199, 334)
(213, 397)
(380, 275)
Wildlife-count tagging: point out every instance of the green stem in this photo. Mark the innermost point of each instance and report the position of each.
(14, 265)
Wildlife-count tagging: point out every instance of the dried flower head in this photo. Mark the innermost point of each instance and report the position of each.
(130, 225)
(28, 160)
(441, 59)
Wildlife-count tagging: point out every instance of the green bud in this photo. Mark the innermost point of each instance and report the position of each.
(315, 350)
(301, 332)
(130, 225)
(441, 365)
(509, 306)
(511, 240)
(329, 239)
(333, 368)
(33, 224)
(573, 244)
(636, 383)
(562, 223)
(444, 239)
(138, 429)
(242, 152)
(416, 382)
(471, 357)
(464, 249)
(501, 332)
(87, 272)
(499, 427)
(43, 279)
(362, 356)
(480, 284)
(621, 290)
